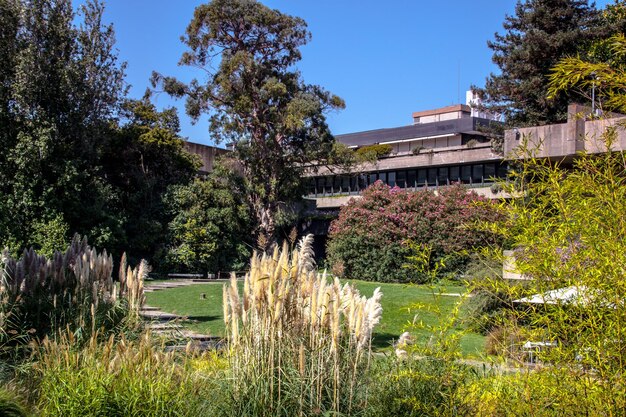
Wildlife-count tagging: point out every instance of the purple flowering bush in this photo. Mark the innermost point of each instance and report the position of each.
(369, 239)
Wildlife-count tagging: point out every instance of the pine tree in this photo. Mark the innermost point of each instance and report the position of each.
(539, 34)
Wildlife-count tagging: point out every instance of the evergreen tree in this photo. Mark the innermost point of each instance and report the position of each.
(539, 34)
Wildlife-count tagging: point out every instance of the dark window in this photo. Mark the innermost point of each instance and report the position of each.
(490, 172)
(443, 176)
(477, 173)
(421, 177)
(391, 179)
(372, 178)
(354, 183)
(466, 174)
(432, 176)
(362, 182)
(401, 179)
(503, 169)
(383, 177)
(329, 185)
(411, 177)
(336, 184)
(455, 174)
(345, 184)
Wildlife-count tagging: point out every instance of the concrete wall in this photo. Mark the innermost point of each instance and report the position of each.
(206, 153)
(565, 139)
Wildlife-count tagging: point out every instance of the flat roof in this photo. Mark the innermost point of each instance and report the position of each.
(468, 125)
(448, 109)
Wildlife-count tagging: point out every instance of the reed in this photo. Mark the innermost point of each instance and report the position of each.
(299, 343)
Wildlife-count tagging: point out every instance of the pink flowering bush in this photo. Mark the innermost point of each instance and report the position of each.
(369, 239)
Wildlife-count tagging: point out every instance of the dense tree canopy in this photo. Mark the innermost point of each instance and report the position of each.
(539, 34)
(255, 99)
(77, 155)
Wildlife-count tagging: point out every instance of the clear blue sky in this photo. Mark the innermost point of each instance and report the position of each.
(386, 59)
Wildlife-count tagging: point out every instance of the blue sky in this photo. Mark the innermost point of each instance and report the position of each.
(386, 59)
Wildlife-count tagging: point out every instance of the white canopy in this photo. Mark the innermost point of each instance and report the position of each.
(574, 294)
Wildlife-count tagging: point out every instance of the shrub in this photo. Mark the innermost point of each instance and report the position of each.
(9, 406)
(210, 229)
(415, 387)
(369, 237)
(74, 290)
(471, 143)
(298, 345)
(375, 151)
(123, 379)
(417, 149)
(543, 393)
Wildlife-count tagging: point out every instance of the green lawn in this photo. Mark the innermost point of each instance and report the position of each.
(401, 304)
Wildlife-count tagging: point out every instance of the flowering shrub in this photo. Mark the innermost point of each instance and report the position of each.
(369, 239)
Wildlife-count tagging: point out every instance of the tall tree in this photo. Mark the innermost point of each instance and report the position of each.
(60, 93)
(539, 34)
(255, 98)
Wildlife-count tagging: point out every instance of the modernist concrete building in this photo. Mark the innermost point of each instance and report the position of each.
(450, 144)
(206, 153)
(441, 147)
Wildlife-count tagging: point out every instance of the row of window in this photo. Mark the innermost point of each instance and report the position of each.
(409, 178)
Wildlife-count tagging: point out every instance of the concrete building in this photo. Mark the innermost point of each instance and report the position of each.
(441, 147)
(206, 153)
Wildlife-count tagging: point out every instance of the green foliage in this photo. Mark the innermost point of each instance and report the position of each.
(415, 387)
(124, 379)
(210, 230)
(547, 392)
(370, 239)
(144, 159)
(374, 151)
(566, 232)
(536, 37)
(59, 93)
(606, 78)
(10, 406)
(256, 99)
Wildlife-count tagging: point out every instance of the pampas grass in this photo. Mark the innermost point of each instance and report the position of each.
(75, 289)
(299, 344)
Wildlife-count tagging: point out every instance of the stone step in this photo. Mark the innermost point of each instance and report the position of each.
(159, 327)
(149, 308)
(159, 316)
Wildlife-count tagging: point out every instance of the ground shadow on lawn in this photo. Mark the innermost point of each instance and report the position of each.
(383, 340)
(204, 319)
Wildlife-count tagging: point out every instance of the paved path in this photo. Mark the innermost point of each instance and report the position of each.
(168, 325)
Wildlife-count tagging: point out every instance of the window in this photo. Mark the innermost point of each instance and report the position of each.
(372, 178)
(383, 177)
(455, 174)
(411, 178)
(391, 179)
(490, 172)
(443, 176)
(466, 174)
(432, 176)
(401, 179)
(421, 178)
(477, 173)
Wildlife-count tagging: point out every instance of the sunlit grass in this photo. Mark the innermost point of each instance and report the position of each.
(403, 307)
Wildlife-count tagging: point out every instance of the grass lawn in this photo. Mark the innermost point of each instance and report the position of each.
(401, 305)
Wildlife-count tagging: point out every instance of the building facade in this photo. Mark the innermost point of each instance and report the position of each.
(441, 147)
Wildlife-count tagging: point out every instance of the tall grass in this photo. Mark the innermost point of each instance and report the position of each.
(122, 378)
(298, 345)
(73, 289)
